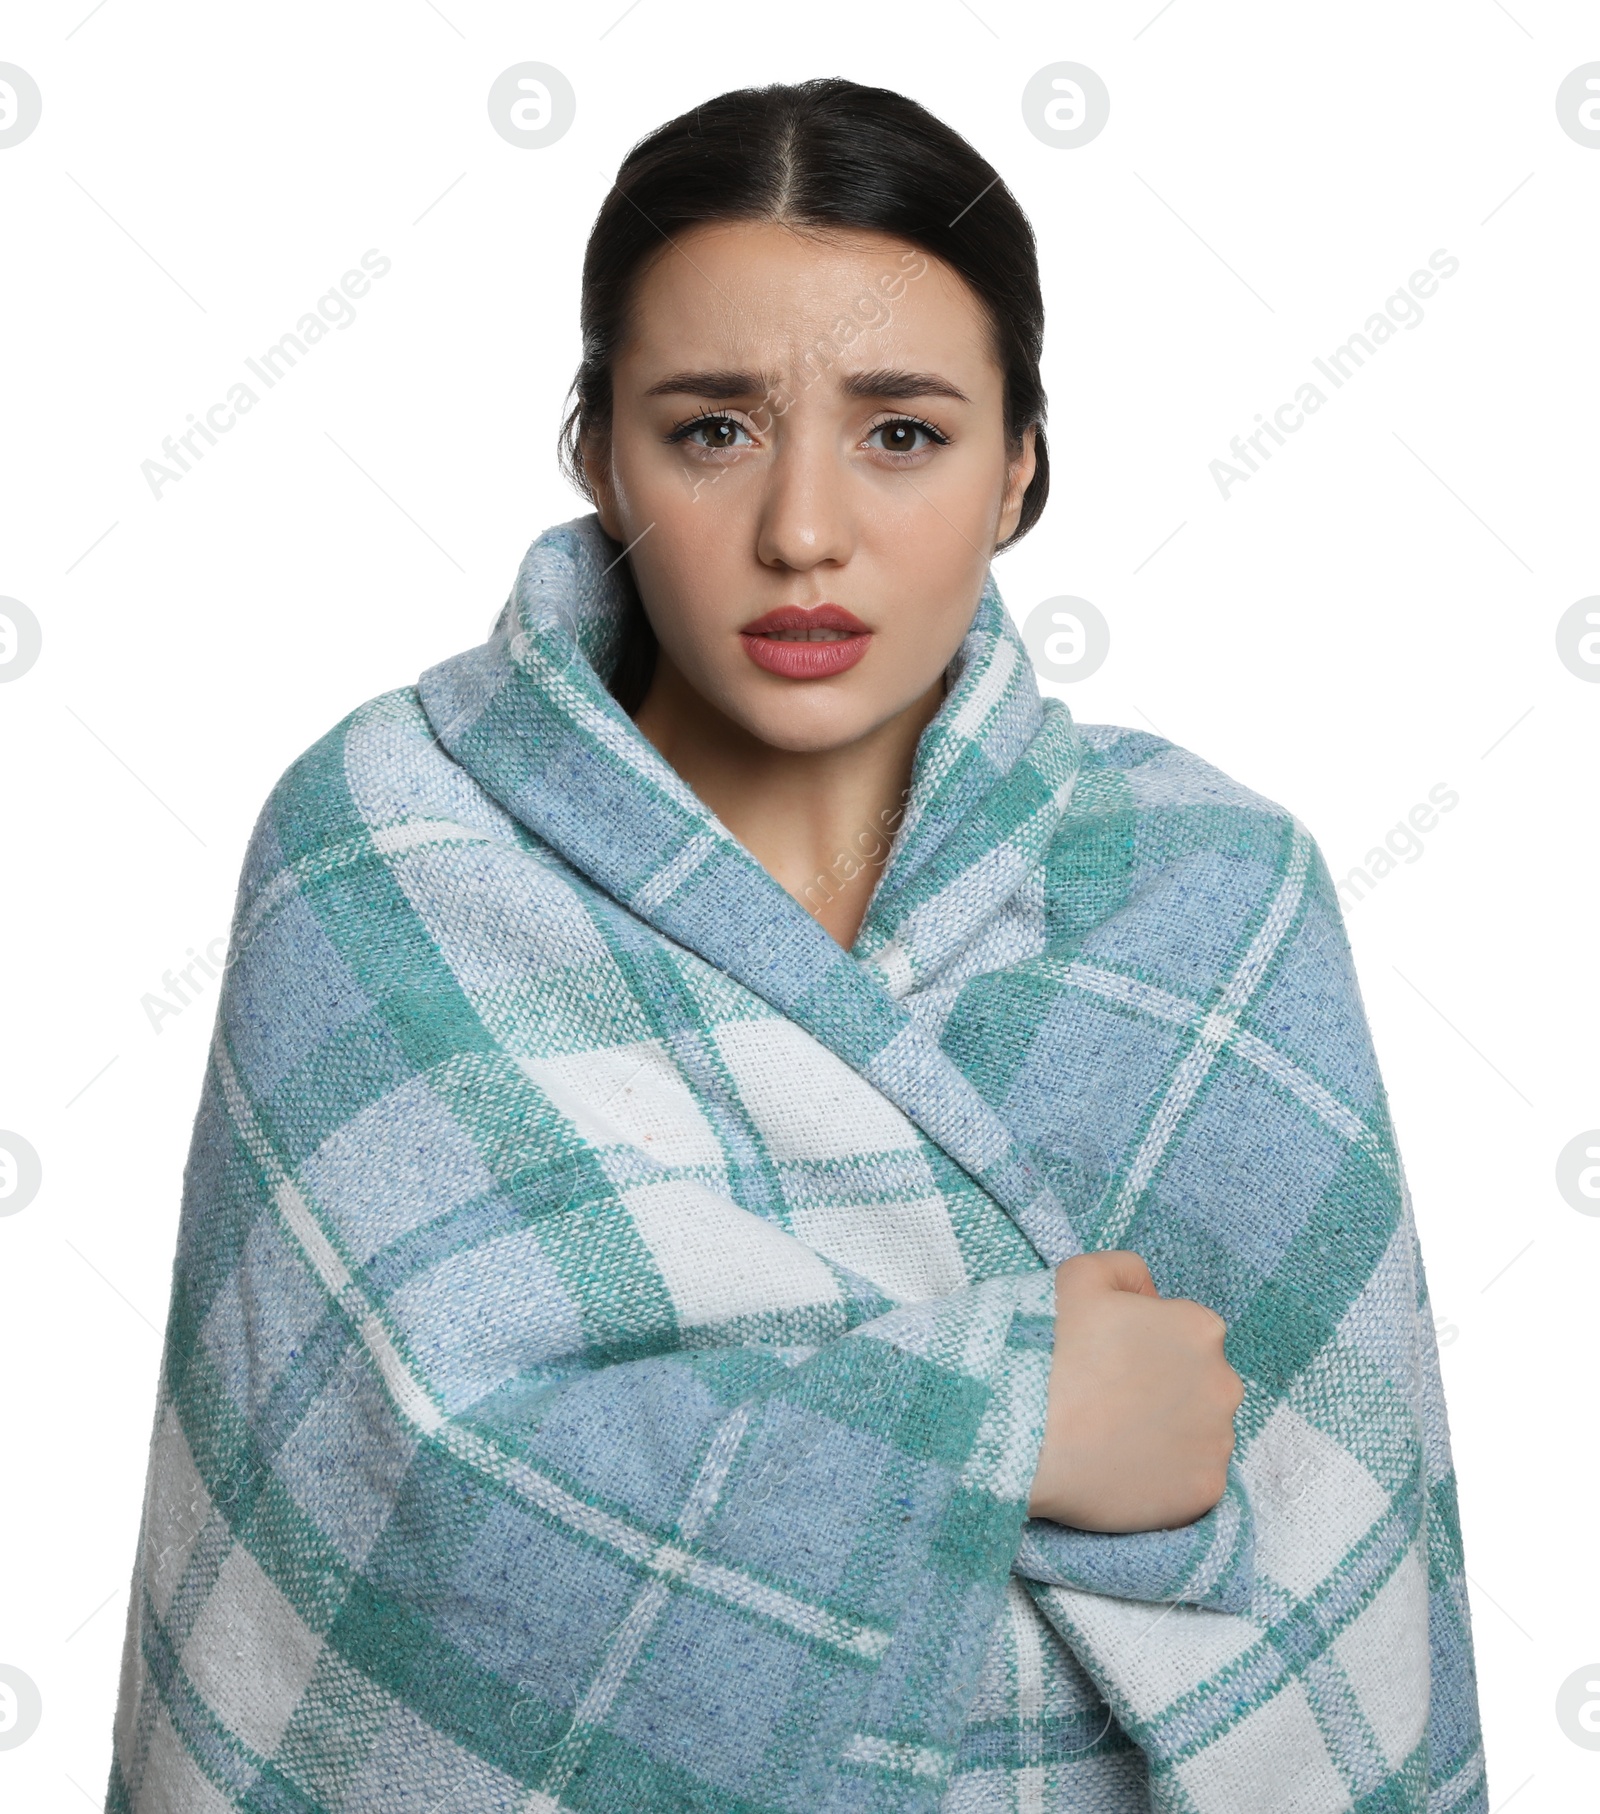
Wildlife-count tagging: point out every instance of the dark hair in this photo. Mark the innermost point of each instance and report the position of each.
(823, 154)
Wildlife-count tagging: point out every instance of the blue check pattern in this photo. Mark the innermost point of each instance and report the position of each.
(609, 1333)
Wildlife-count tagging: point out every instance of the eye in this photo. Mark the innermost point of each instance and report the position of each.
(717, 434)
(906, 435)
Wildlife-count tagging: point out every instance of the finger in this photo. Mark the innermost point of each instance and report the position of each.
(1126, 1271)
(1214, 1324)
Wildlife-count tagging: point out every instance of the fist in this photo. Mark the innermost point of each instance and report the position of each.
(1139, 1428)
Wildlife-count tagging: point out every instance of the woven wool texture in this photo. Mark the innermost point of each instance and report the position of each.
(607, 1352)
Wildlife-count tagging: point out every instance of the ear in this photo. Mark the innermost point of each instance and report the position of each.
(595, 449)
(1019, 476)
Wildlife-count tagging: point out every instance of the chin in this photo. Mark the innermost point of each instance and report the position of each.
(807, 733)
(805, 720)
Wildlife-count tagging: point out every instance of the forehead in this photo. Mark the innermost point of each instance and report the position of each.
(761, 296)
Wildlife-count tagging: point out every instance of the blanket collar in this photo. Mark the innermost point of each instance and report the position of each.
(557, 637)
(528, 715)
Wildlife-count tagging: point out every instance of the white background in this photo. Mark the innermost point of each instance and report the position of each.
(1370, 615)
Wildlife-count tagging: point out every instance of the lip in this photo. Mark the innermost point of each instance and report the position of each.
(793, 660)
(826, 616)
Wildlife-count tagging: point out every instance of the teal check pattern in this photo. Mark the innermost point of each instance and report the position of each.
(608, 1343)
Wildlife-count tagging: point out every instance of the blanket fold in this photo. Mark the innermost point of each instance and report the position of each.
(610, 1327)
(1208, 1563)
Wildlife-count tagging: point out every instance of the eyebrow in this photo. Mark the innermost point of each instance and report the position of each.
(886, 382)
(728, 386)
(721, 387)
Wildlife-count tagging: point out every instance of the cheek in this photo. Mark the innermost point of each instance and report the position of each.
(649, 482)
(969, 487)
(934, 588)
(680, 512)
(935, 534)
(693, 576)
(939, 523)
(664, 506)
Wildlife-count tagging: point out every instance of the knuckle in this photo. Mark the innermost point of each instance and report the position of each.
(1079, 1273)
(1207, 1326)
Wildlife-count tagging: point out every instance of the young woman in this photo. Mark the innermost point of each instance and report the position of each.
(773, 1224)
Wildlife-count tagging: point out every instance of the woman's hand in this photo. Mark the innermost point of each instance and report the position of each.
(1139, 1427)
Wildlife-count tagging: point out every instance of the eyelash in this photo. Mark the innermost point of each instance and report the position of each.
(682, 430)
(937, 435)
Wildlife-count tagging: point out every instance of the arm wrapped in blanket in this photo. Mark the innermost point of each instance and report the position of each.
(461, 1491)
(1255, 1169)
(749, 1573)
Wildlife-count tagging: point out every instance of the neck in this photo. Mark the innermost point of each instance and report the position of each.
(820, 822)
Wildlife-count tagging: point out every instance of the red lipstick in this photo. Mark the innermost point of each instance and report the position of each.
(806, 642)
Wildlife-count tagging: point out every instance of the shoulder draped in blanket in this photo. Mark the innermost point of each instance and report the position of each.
(607, 1353)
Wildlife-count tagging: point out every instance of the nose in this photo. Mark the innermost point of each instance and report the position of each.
(806, 519)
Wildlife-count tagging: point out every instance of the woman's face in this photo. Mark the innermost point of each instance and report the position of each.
(804, 422)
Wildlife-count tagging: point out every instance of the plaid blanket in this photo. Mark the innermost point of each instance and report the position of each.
(607, 1351)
